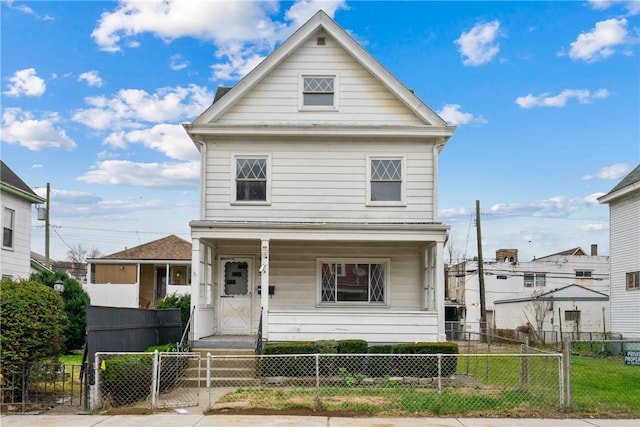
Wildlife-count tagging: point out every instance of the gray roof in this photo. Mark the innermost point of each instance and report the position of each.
(13, 184)
(167, 248)
(632, 178)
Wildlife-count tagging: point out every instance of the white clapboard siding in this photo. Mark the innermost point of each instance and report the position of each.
(362, 100)
(16, 261)
(625, 257)
(320, 182)
(374, 326)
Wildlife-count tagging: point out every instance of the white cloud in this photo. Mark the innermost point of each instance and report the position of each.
(171, 140)
(616, 171)
(151, 175)
(451, 114)
(129, 107)
(20, 127)
(21, 7)
(478, 46)
(632, 7)
(547, 100)
(92, 78)
(177, 63)
(243, 30)
(25, 82)
(600, 42)
(558, 206)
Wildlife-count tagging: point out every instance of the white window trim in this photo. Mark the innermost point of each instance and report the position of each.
(336, 92)
(343, 261)
(403, 184)
(233, 192)
(13, 226)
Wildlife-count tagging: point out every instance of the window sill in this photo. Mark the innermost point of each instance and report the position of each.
(394, 204)
(250, 203)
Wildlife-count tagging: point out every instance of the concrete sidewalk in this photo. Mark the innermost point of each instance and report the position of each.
(195, 420)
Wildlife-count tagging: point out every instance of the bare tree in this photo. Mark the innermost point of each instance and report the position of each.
(80, 254)
(539, 308)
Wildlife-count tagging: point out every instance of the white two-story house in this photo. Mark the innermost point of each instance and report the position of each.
(17, 199)
(624, 242)
(318, 214)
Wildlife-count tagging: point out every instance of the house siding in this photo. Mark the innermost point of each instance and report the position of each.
(16, 260)
(362, 99)
(625, 257)
(321, 181)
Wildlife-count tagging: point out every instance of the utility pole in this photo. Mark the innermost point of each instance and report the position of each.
(46, 229)
(483, 311)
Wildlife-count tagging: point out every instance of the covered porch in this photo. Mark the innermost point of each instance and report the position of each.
(382, 283)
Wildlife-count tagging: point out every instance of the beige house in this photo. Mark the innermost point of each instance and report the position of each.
(319, 183)
(141, 276)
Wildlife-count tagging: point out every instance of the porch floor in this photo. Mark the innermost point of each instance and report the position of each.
(226, 341)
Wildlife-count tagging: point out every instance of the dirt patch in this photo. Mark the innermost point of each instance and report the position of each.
(296, 410)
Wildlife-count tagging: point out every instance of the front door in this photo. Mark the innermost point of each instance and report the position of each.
(235, 296)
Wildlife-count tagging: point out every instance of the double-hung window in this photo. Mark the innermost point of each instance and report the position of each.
(8, 227)
(386, 181)
(633, 280)
(319, 92)
(251, 183)
(353, 281)
(535, 279)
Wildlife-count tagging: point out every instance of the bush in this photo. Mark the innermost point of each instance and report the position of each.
(75, 305)
(427, 366)
(352, 364)
(127, 379)
(32, 322)
(288, 366)
(183, 302)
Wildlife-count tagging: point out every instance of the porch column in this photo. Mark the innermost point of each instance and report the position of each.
(196, 271)
(264, 286)
(428, 298)
(439, 283)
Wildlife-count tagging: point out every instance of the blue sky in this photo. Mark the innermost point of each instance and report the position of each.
(546, 97)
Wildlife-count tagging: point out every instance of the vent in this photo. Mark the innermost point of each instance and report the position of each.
(321, 41)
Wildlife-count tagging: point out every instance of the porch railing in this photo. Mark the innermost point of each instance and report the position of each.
(259, 338)
(187, 331)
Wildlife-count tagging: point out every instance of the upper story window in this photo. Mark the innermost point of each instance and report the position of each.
(583, 274)
(251, 183)
(8, 227)
(633, 280)
(353, 281)
(535, 279)
(386, 183)
(319, 92)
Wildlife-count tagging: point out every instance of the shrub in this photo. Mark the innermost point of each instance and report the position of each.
(75, 305)
(183, 302)
(127, 379)
(32, 322)
(380, 366)
(352, 364)
(288, 366)
(427, 366)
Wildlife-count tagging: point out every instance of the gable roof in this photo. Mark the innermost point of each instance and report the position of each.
(167, 248)
(321, 21)
(575, 251)
(11, 183)
(628, 185)
(572, 292)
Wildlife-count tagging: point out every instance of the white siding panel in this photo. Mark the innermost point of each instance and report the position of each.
(16, 261)
(362, 99)
(320, 181)
(625, 257)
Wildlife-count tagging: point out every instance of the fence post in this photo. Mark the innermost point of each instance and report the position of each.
(96, 383)
(208, 379)
(317, 360)
(526, 363)
(439, 380)
(567, 361)
(154, 380)
(561, 380)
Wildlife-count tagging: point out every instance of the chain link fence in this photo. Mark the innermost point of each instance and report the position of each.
(146, 380)
(394, 384)
(35, 386)
(603, 377)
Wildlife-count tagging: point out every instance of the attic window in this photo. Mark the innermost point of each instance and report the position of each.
(318, 91)
(321, 41)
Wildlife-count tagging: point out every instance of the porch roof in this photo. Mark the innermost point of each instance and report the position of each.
(410, 232)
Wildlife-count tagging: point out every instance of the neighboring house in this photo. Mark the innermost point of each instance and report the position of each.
(75, 270)
(17, 198)
(141, 276)
(508, 278)
(624, 242)
(319, 184)
(568, 311)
